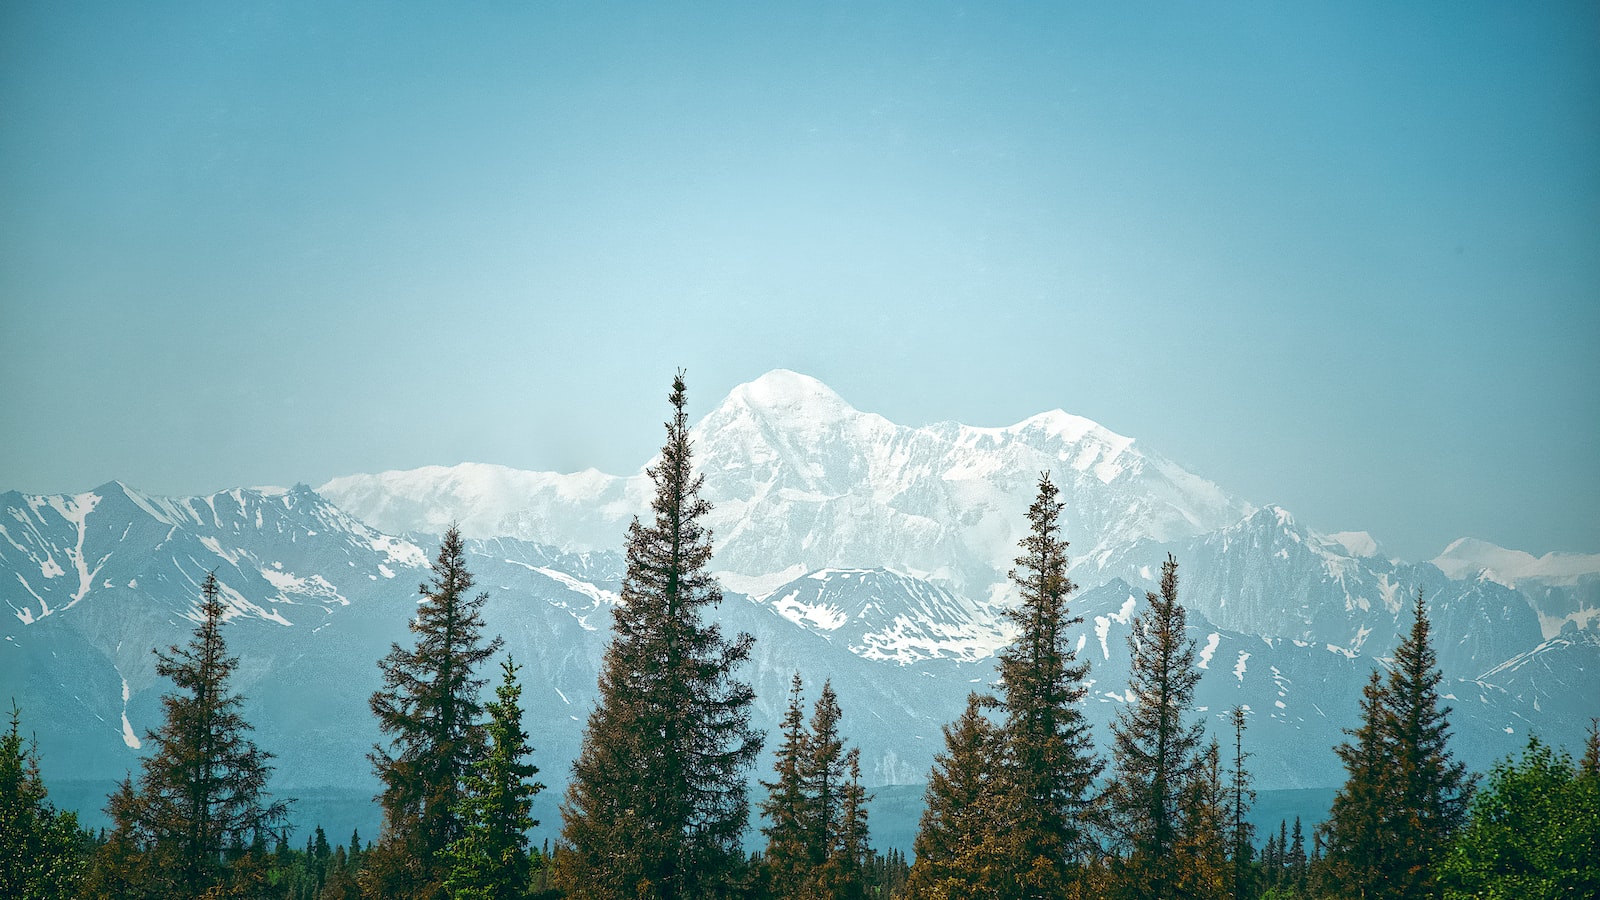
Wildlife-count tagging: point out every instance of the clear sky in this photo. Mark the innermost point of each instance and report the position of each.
(1340, 257)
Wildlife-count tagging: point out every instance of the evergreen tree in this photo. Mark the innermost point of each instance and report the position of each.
(1355, 831)
(202, 789)
(657, 804)
(817, 833)
(429, 708)
(1154, 752)
(1406, 795)
(490, 861)
(959, 835)
(1202, 842)
(1241, 832)
(41, 849)
(1533, 832)
(845, 874)
(787, 859)
(1050, 758)
(1296, 866)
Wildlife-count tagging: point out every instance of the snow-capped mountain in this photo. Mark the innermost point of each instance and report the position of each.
(880, 614)
(799, 481)
(1563, 588)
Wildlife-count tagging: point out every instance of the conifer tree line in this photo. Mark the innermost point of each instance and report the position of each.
(1020, 803)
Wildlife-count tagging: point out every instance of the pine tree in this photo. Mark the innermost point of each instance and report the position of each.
(817, 838)
(844, 874)
(1241, 832)
(1154, 752)
(1406, 796)
(657, 804)
(787, 859)
(429, 708)
(1050, 758)
(1202, 842)
(41, 849)
(490, 861)
(1296, 874)
(957, 839)
(202, 789)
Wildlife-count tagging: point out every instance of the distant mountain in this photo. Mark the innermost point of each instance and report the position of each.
(800, 481)
(1563, 588)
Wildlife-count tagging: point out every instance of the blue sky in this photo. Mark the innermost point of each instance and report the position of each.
(1342, 257)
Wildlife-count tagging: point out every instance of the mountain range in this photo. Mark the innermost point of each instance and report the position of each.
(854, 549)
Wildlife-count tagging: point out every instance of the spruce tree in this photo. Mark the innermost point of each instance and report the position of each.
(490, 861)
(202, 788)
(962, 820)
(1406, 795)
(1241, 832)
(1355, 832)
(41, 849)
(787, 859)
(1050, 760)
(1154, 751)
(429, 709)
(1297, 861)
(816, 809)
(844, 874)
(657, 803)
(1202, 842)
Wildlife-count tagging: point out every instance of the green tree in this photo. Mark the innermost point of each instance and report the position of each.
(41, 849)
(657, 802)
(430, 710)
(1154, 752)
(202, 788)
(1050, 760)
(490, 861)
(845, 870)
(959, 835)
(1202, 842)
(1406, 795)
(1241, 833)
(1532, 832)
(788, 858)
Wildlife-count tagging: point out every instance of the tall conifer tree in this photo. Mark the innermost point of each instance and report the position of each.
(1406, 795)
(657, 804)
(817, 833)
(202, 790)
(787, 859)
(490, 861)
(1050, 760)
(1240, 831)
(431, 712)
(959, 838)
(1154, 751)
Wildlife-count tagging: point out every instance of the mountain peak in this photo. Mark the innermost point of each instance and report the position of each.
(791, 394)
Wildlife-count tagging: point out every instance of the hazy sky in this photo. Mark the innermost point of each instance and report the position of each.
(1344, 259)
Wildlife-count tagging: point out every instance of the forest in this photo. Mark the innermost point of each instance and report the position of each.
(1021, 803)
